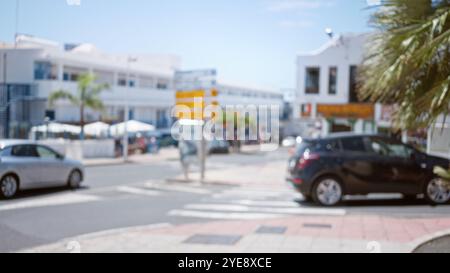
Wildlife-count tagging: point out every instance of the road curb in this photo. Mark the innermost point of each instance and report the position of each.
(427, 238)
(97, 235)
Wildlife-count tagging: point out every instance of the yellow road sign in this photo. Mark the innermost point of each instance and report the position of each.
(193, 105)
(190, 94)
(197, 94)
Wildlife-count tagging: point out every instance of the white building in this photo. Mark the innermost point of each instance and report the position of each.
(42, 67)
(244, 94)
(327, 98)
(33, 68)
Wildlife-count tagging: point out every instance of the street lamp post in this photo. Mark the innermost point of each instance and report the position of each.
(17, 23)
(127, 109)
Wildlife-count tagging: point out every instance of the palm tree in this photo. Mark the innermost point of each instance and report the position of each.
(88, 96)
(408, 63)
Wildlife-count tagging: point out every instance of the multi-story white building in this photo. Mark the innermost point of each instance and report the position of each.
(242, 94)
(33, 68)
(327, 99)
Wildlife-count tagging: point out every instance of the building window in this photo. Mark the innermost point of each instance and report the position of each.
(132, 81)
(332, 81)
(353, 92)
(73, 73)
(162, 84)
(45, 71)
(312, 80)
(122, 80)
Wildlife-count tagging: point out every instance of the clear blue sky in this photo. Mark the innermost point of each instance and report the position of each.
(248, 41)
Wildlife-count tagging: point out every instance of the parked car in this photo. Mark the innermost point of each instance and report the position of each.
(327, 169)
(167, 140)
(289, 142)
(218, 147)
(27, 165)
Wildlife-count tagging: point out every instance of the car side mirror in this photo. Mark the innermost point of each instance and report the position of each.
(60, 157)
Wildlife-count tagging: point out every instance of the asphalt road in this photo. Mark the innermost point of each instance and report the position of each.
(439, 245)
(136, 194)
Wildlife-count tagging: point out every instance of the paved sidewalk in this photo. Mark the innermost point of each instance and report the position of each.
(301, 234)
(271, 174)
(165, 154)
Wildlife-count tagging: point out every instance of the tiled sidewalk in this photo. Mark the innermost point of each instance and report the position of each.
(351, 233)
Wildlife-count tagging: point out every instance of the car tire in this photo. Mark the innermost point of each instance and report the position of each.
(328, 191)
(437, 192)
(307, 198)
(9, 186)
(75, 179)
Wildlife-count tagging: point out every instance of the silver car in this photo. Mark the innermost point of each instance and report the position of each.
(28, 165)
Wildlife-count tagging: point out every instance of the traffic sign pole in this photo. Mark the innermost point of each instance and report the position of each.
(197, 84)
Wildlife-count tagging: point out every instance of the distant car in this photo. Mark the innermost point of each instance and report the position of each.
(167, 140)
(327, 169)
(27, 165)
(289, 142)
(218, 147)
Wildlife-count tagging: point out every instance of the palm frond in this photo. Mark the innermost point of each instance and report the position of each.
(62, 95)
(409, 61)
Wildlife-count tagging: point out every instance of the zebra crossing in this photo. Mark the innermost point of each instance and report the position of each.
(251, 204)
(143, 190)
(213, 202)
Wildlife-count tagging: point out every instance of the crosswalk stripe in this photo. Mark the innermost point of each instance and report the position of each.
(222, 216)
(241, 208)
(283, 204)
(137, 191)
(177, 188)
(57, 200)
(258, 191)
(247, 194)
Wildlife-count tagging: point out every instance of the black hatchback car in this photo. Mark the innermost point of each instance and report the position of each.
(327, 169)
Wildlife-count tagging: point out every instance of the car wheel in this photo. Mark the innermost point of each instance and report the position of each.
(75, 180)
(437, 191)
(327, 192)
(9, 186)
(307, 198)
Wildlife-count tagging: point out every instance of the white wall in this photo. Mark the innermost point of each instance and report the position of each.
(342, 52)
(439, 138)
(20, 65)
(86, 149)
(145, 101)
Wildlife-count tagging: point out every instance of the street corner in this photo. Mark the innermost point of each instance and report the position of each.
(343, 234)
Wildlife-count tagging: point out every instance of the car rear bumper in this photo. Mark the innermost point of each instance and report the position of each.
(300, 184)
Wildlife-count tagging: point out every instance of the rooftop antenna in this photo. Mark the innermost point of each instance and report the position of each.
(329, 32)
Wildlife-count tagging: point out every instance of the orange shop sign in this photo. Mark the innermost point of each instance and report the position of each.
(354, 110)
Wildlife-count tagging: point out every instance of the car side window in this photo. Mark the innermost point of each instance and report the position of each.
(386, 147)
(353, 144)
(46, 153)
(379, 147)
(24, 151)
(327, 146)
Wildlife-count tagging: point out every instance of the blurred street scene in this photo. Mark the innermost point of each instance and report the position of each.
(287, 135)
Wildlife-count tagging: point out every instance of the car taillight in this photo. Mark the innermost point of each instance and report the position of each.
(307, 159)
